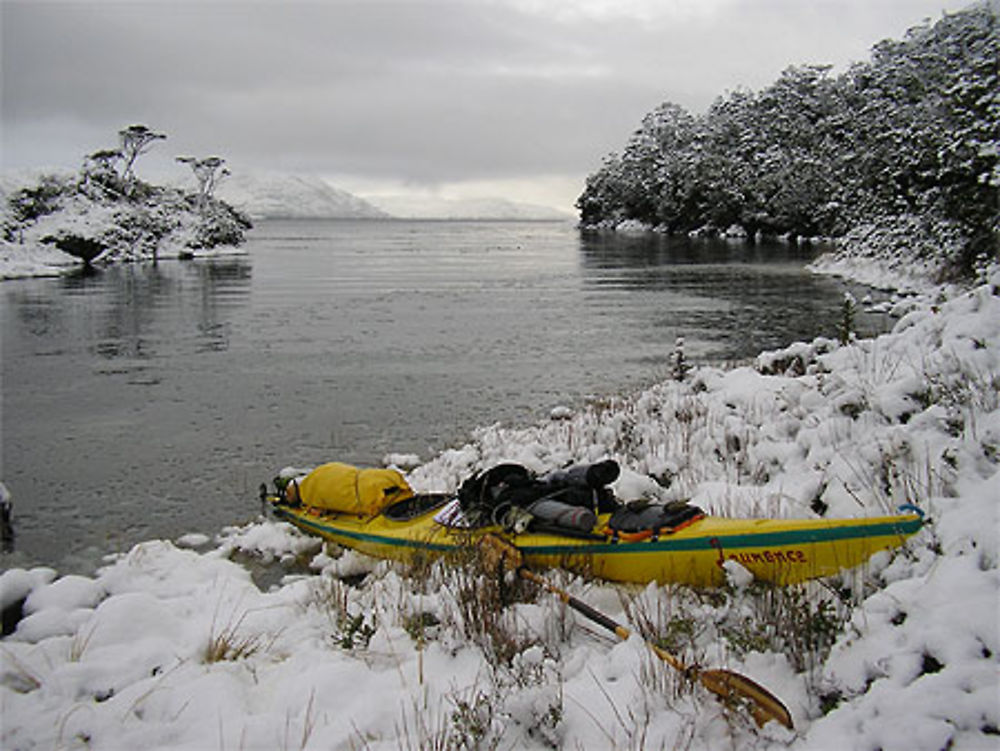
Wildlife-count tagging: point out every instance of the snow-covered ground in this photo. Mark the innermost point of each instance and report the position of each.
(166, 227)
(22, 261)
(38, 260)
(174, 646)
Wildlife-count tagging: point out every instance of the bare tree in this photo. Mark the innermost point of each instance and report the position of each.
(135, 140)
(209, 172)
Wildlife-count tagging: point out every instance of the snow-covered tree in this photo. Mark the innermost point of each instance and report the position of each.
(100, 171)
(909, 138)
(208, 172)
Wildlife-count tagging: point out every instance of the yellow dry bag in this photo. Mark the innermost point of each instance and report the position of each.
(345, 488)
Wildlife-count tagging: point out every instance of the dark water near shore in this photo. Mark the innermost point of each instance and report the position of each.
(149, 401)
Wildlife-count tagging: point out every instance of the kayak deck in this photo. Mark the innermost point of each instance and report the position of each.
(782, 551)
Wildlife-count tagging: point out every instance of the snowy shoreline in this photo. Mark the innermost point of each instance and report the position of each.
(40, 261)
(173, 645)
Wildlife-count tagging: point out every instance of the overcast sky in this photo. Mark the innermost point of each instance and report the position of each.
(513, 98)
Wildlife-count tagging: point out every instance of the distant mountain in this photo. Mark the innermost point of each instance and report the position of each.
(284, 196)
(416, 207)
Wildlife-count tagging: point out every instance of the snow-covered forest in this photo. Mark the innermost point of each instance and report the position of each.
(895, 156)
(106, 212)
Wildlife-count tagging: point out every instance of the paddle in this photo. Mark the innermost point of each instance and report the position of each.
(731, 687)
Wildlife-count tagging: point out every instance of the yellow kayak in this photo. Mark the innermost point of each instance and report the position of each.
(783, 551)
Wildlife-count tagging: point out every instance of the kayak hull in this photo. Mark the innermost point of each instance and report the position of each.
(782, 551)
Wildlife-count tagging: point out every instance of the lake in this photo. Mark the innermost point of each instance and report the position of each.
(144, 401)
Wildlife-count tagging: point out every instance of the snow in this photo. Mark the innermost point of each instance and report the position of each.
(276, 195)
(173, 645)
(193, 540)
(35, 259)
(18, 261)
(126, 230)
(401, 461)
(16, 584)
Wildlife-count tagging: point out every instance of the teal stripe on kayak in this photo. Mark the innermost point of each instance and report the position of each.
(362, 536)
(786, 538)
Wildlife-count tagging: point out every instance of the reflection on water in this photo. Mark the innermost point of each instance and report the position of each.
(730, 299)
(98, 372)
(149, 401)
(613, 250)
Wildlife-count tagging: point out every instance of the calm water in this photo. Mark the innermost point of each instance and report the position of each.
(150, 401)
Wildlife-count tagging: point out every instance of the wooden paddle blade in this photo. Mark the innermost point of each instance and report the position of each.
(735, 688)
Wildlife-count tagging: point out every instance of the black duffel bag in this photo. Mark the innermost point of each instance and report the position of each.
(643, 516)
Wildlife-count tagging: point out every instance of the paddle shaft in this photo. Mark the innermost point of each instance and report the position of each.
(729, 686)
(598, 617)
(726, 684)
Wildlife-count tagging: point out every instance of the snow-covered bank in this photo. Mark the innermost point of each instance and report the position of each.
(102, 217)
(38, 260)
(908, 255)
(23, 261)
(175, 648)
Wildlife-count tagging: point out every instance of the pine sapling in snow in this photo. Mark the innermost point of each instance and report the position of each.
(680, 367)
(845, 328)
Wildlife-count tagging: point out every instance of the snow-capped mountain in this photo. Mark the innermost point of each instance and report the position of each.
(424, 207)
(286, 196)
